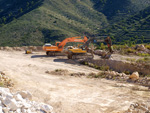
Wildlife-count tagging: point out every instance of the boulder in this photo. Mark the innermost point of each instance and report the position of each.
(100, 52)
(26, 105)
(4, 90)
(10, 103)
(25, 95)
(140, 48)
(134, 76)
(5, 109)
(18, 111)
(18, 97)
(1, 110)
(46, 108)
(5, 93)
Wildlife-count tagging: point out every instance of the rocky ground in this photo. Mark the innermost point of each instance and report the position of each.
(20, 102)
(41, 76)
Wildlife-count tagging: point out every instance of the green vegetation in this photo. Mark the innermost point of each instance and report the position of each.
(102, 68)
(34, 22)
(132, 30)
(143, 60)
(50, 20)
(131, 59)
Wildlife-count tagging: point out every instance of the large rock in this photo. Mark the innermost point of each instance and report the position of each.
(25, 95)
(5, 109)
(134, 76)
(100, 52)
(1, 110)
(10, 103)
(4, 92)
(140, 48)
(18, 97)
(46, 108)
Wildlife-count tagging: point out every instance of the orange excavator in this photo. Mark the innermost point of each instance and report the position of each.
(79, 52)
(59, 46)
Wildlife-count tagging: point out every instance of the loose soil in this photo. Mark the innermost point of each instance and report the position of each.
(68, 94)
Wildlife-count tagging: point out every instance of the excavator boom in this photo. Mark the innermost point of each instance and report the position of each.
(59, 46)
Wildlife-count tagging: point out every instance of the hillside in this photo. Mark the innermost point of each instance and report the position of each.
(135, 29)
(35, 22)
(48, 20)
(118, 9)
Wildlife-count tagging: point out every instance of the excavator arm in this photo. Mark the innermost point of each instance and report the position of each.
(59, 46)
(95, 40)
(72, 39)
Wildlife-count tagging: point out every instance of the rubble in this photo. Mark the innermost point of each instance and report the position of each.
(5, 81)
(139, 107)
(25, 95)
(133, 78)
(78, 74)
(19, 103)
(58, 72)
(100, 52)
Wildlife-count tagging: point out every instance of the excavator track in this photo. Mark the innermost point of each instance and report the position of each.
(54, 53)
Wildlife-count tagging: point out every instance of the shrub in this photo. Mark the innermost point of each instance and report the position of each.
(143, 54)
(129, 50)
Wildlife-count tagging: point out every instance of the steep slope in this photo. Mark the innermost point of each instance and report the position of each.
(135, 29)
(117, 9)
(48, 20)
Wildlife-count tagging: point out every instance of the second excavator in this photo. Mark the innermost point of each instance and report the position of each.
(85, 52)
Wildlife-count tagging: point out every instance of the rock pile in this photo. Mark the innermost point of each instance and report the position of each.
(143, 107)
(100, 52)
(58, 72)
(78, 74)
(116, 76)
(133, 78)
(5, 81)
(140, 47)
(20, 102)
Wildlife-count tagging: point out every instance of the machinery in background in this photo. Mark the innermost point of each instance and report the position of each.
(85, 52)
(78, 52)
(59, 46)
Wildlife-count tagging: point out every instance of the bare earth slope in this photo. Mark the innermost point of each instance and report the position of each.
(67, 94)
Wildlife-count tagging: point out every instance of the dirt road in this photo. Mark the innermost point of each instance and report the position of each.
(67, 94)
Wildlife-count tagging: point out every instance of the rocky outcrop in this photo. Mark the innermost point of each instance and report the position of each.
(20, 102)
